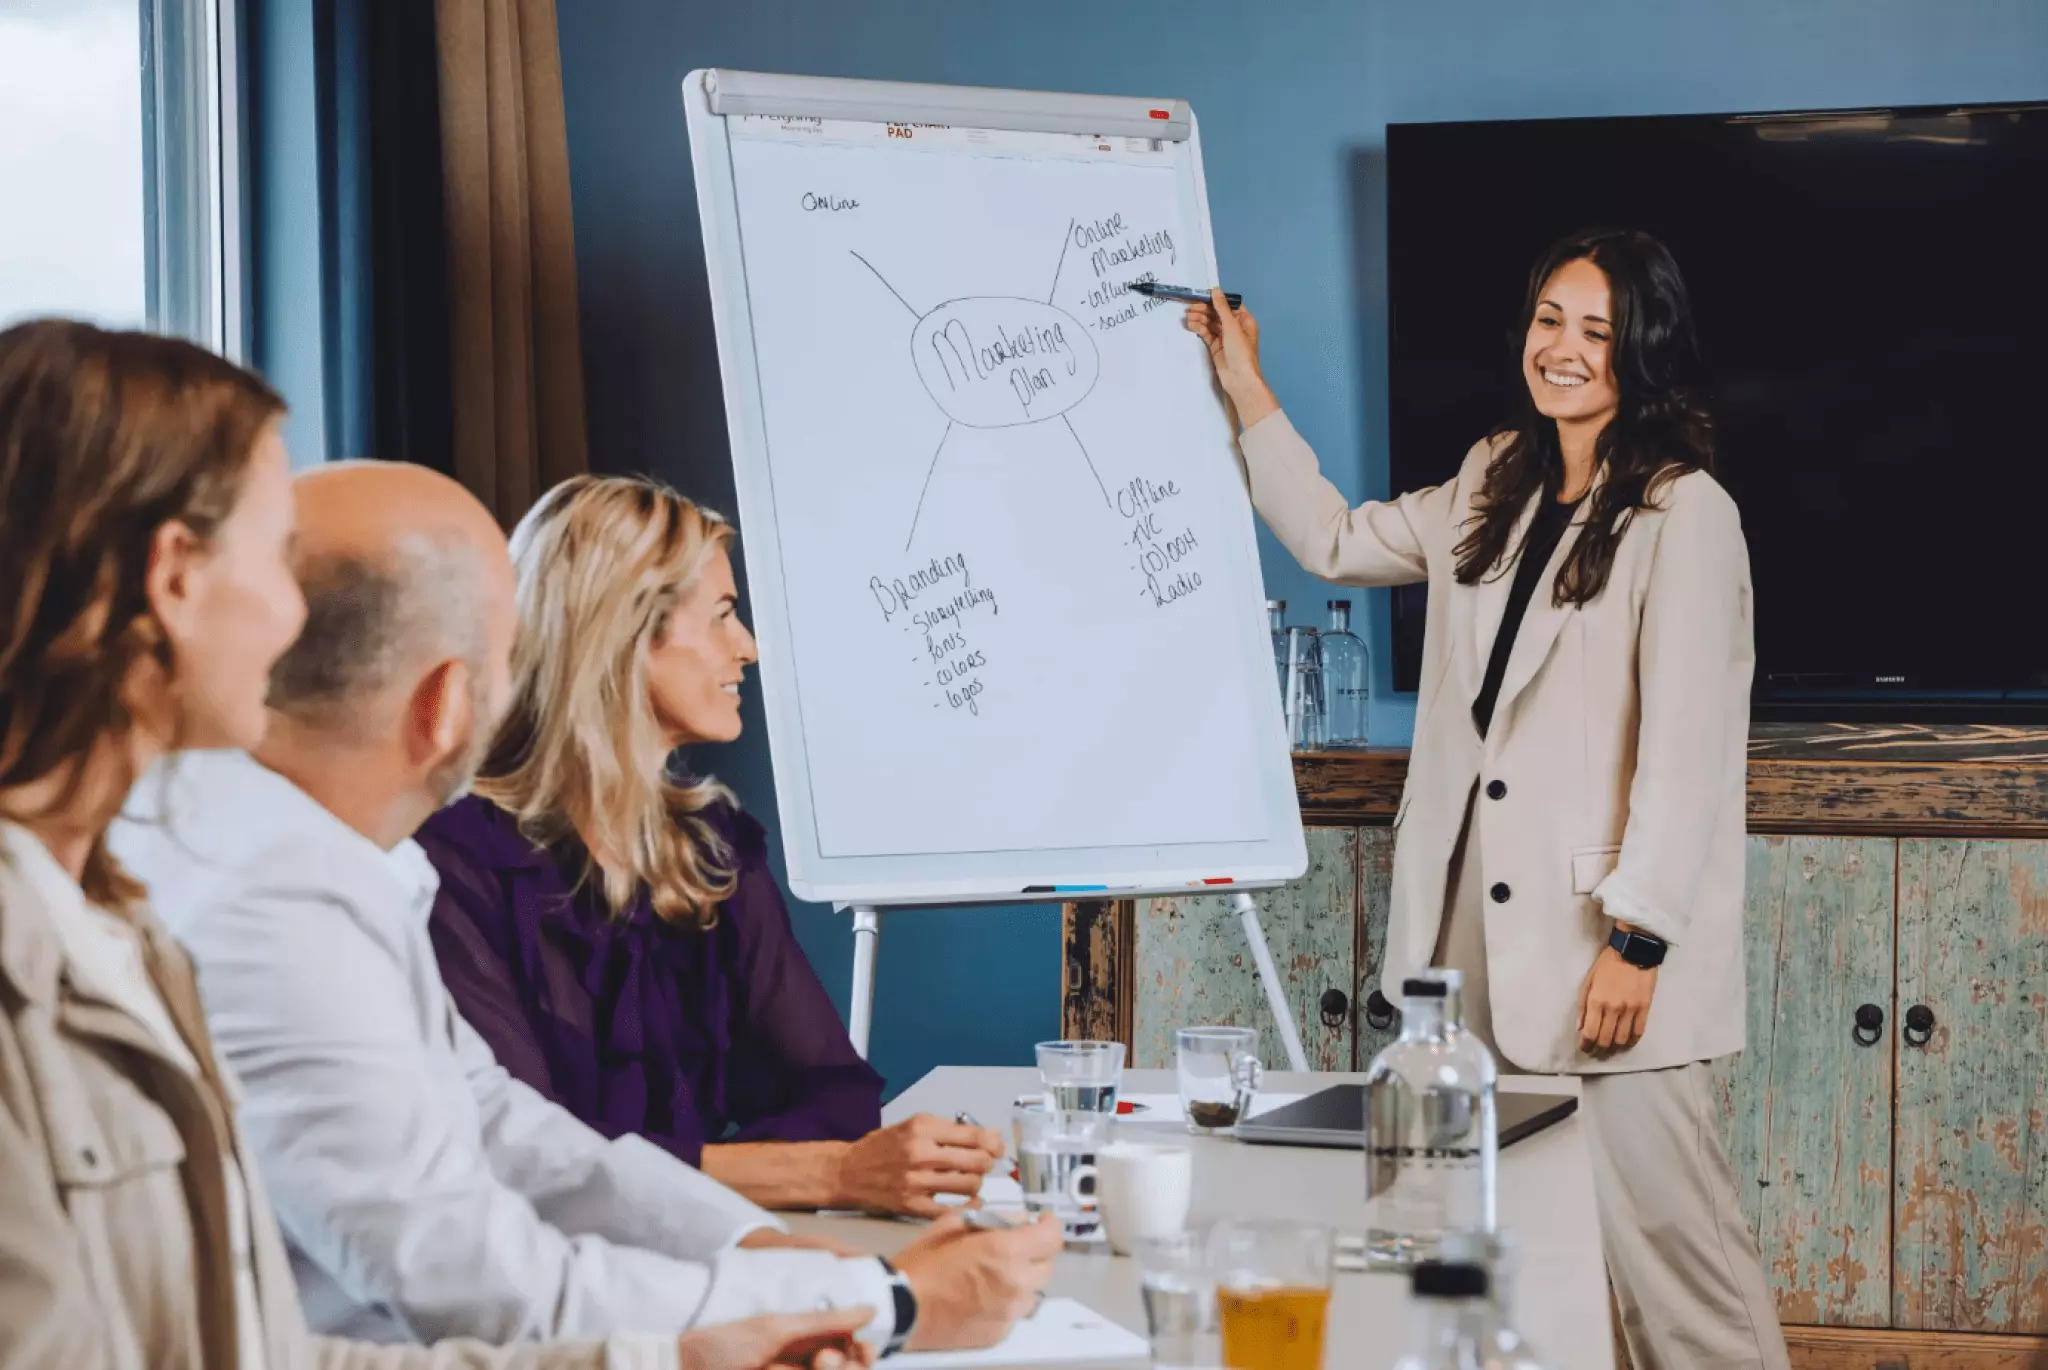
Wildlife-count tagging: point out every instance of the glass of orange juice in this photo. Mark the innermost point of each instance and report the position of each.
(1272, 1293)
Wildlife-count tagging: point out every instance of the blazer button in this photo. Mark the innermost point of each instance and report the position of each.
(1501, 893)
(1496, 789)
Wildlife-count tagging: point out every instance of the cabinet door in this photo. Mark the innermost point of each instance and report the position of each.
(1375, 899)
(1194, 967)
(1807, 1109)
(1971, 1180)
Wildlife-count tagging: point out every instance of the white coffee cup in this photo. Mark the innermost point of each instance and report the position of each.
(1143, 1189)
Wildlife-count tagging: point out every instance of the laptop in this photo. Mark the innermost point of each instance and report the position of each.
(1336, 1117)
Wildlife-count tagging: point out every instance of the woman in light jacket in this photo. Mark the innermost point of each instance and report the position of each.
(145, 516)
(1571, 835)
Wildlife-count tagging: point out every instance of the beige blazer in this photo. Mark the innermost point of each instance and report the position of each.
(113, 1201)
(1620, 736)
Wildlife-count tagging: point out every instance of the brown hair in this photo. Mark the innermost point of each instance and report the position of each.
(1661, 431)
(601, 562)
(104, 438)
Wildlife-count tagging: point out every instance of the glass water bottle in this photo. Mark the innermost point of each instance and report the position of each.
(1347, 680)
(1430, 1129)
(1495, 1252)
(1455, 1323)
(1302, 689)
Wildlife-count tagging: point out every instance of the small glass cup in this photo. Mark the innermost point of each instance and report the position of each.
(1180, 1302)
(1272, 1293)
(1081, 1077)
(1056, 1165)
(1219, 1075)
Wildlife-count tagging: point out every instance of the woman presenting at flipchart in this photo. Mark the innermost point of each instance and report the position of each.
(1571, 836)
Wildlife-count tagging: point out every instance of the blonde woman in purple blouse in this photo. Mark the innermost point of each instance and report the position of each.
(611, 926)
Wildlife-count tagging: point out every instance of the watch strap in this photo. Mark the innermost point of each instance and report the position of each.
(905, 1300)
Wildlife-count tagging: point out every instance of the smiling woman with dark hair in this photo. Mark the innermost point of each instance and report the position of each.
(1571, 836)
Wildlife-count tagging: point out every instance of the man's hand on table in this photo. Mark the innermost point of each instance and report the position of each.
(972, 1287)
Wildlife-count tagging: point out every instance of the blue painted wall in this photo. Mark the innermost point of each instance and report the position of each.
(1293, 97)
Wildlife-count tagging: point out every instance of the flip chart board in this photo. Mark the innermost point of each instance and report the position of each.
(1001, 558)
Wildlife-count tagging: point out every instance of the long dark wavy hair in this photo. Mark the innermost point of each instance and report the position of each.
(1660, 432)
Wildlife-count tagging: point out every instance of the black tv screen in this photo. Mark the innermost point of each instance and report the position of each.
(1871, 294)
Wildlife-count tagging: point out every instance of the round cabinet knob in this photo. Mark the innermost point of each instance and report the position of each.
(1379, 1014)
(1496, 789)
(1336, 1008)
(1919, 1025)
(1501, 894)
(1869, 1025)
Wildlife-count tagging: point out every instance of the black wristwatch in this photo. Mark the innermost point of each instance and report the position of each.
(906, 1308)
(1639, 949)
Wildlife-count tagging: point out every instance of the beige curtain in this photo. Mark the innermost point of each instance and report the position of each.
(517, 369)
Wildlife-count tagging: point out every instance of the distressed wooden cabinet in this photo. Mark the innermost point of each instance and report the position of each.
(1896, 1176)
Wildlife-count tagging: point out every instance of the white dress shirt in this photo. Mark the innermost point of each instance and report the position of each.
(103, 957)
(424, 1192)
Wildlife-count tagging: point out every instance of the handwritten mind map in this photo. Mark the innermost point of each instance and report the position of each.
(994, 361)
(1006, 506)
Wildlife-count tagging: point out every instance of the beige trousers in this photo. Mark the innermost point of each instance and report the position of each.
(1686, 1273)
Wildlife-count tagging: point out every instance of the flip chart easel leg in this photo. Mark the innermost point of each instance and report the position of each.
(860, 1009)
(1248, 914)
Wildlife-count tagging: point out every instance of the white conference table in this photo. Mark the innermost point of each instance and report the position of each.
(1545, 1202)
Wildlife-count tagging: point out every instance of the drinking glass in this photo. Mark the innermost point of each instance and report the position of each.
(1056, 1165)
(1219, 1075)
(1272, 1293)
(1081, 1077)
(1180, 1302)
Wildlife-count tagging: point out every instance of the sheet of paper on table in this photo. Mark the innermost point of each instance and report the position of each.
(1060, 1331)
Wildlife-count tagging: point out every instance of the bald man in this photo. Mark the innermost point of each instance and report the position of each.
(426, 1193)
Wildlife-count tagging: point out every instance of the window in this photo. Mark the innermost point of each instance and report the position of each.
(120, 166)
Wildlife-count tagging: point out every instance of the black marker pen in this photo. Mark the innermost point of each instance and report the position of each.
(1181, 292)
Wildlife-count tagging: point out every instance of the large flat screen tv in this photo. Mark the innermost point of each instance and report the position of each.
(1871, 294)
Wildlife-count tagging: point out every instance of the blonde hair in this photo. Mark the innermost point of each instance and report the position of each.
(601, 561)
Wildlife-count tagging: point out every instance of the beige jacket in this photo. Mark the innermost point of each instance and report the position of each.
(114, 1248)
(1620, 736)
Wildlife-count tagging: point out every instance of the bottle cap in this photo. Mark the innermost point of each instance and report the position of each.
(1276, 605)
(1423, 989)
(1449, 1280)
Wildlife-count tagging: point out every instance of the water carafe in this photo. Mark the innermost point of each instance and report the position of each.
(1431, 1134)
(1346, 679)
(1503, 1345)
(1302, 689)
(1454, 1321)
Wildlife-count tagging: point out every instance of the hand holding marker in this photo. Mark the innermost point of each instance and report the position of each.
(1181, 292)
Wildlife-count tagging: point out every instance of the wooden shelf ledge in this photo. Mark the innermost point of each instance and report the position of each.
(1878, 780)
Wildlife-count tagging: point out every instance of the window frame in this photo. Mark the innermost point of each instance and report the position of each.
(196, 249)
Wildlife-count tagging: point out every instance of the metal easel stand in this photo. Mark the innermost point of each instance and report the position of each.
(1247, 911)
(867, 934)
(860, 1010)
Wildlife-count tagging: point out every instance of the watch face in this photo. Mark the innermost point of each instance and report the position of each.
(1644, 953)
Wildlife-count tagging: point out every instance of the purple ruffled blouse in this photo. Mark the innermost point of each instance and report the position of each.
(634, 1024)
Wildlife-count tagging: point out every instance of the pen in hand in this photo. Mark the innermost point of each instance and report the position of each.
(1157, 291)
